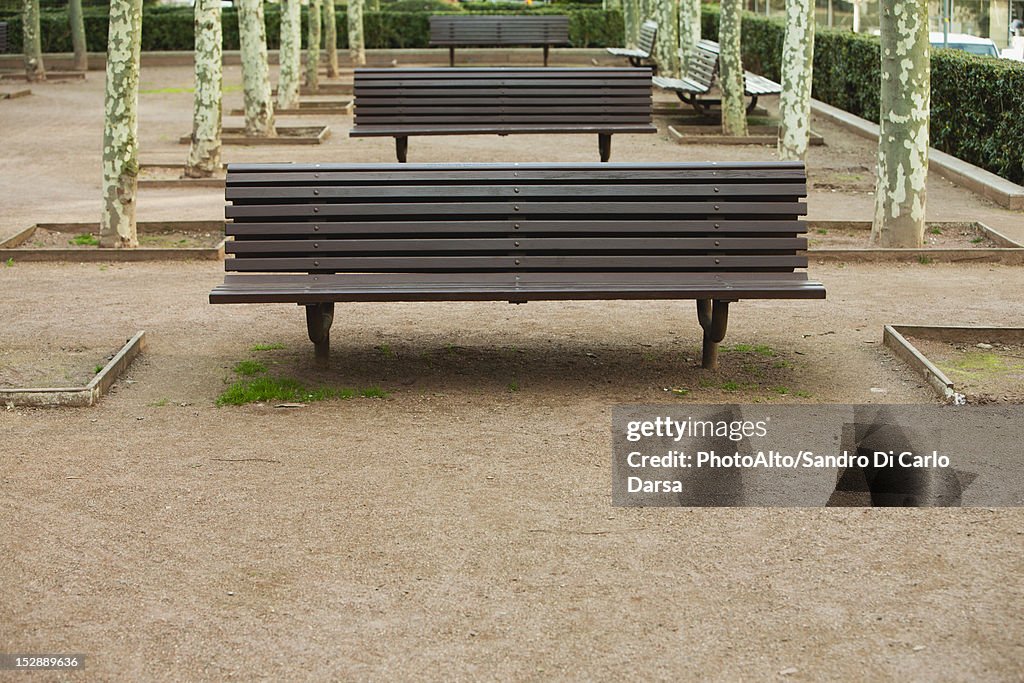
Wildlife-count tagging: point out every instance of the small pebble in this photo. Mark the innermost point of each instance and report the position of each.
(984, 346)
(788, 671)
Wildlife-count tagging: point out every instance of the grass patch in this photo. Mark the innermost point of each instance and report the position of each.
(266, 347)
(759, 349)
(977, 240)
(248, 368)
(265, 389)
(159, 404)
(802, 394)
(681, 391)
(924, 260)
(513, 386)
(85, 240)
(781, 391)
(822, 231)
(982, 363)
(385, 350)
(935, 231)
(731, 386)
(97, 370)
(9, 263)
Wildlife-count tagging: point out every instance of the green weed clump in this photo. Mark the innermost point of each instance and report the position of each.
(284, 389)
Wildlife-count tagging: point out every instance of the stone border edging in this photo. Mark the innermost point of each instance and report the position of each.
(235, 135)
(978, 180)
(79, 397)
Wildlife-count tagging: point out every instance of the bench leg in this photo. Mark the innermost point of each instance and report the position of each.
(604, 144)
(318, 323)
(451, 56)
(546, 49)
(402, 148)
(713, 317)
(753, 103)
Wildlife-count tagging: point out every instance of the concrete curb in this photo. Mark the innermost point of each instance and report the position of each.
(978, 180)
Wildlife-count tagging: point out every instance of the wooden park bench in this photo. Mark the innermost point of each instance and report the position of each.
(401, 103)
(641, 55)
(703, 71)
(498, 31)
(317, 234)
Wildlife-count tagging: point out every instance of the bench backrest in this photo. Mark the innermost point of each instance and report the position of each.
(558, 218)
(703, 66)
(494, 97)
(648, 32)
(499, 30)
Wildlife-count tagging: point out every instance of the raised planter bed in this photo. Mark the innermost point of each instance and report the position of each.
(77, 396)
(712, 135)
(963, 364)
(14, 94)
(50, 76)
(945, 242)
(156, 176)
(286, 135)
(159, 241)
(311, 108)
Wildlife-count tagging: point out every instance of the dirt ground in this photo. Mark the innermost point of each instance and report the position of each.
(461, 528)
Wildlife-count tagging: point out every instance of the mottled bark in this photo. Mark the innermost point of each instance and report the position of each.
(903, 125)
(356, 46)
(331, 38)
(77, 26)
(204, 154)
(32, 42)
(605, 4)
(730, 64)
(290, 55)
(689, 31)
(121, 125)
(797, 62)
(252, 34)
(313, 46)
(375, 6)
(630, 18)
(666, 45)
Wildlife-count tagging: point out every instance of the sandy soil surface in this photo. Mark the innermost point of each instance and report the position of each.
(938, 237)
(462, 527)
(43, 238)
(984, 372)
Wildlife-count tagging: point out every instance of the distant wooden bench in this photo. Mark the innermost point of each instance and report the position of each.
(498, 31)
(317, 234)
(703, 72)
(401, 103)
(641, 55)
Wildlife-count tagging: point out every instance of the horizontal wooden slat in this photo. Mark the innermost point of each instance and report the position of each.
(591, 225)
(512, 286)
(577, 245)
(633, 191)
(525, 262)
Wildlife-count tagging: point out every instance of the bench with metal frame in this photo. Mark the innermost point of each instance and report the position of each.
(645, 46)
(318, 234)
(498, 31)
(400, 103)
(702, 74)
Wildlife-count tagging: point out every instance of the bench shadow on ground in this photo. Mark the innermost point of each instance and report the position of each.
(637, 372)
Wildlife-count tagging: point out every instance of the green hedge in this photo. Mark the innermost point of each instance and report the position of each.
(977, 103)
(170, 28)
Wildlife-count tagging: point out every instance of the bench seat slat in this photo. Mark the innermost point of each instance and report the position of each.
(505, 286)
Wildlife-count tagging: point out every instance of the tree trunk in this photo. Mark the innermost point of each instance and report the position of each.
(252, 34)
(730, 64)
(33, 42)
(666, 47)
(331, 38)
(77, 25)
(121, 125)
(797, 62)
(356, 46)
(689, 31)
(375, 6)
(630, 14)
(290, 55)
(313, 46)
(903, 125)
(204, 154)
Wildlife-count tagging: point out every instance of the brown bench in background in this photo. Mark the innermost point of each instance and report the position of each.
(400, 103)
(317, 234)
(498, 31)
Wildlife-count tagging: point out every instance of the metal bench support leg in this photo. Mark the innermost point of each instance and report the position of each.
(713, 317)
(753, 103)
(318, 323)
(451, 56)
(402, 148)
(547, 48)
(604, 144)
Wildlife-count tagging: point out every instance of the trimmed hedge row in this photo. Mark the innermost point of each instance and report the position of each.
(977, 103)
(171, 28)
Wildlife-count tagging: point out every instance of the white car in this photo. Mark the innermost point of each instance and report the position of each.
(968, 43)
